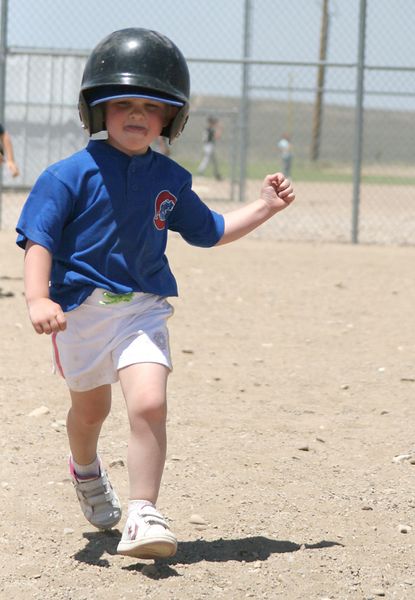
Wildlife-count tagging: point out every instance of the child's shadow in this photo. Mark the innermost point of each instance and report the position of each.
(99, 543)
(247, 549)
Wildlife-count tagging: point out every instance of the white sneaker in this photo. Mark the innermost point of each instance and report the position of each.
(147, 535)
(99, 502)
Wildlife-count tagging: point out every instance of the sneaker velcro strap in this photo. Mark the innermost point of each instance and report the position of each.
(152, 517)
(95, 491)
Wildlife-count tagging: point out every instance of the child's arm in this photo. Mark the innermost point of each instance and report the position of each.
(9, 154)
(276, 194)
(46, 316)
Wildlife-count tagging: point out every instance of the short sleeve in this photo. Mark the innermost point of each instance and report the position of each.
(195, 221)
(45, 213)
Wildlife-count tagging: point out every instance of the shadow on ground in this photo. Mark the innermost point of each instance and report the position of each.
(247, 549)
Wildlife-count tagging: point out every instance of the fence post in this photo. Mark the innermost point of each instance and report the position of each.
(244, 103)
(321, 78)
(3, 55)
(358, 131)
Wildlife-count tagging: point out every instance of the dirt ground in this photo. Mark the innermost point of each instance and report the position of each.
(322, 213)
(291, 435)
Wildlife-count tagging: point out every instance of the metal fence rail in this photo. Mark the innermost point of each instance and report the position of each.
(341, 88)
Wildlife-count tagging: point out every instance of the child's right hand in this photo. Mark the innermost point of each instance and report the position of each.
(46, 316)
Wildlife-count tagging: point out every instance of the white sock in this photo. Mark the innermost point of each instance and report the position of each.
(90, 471)
(137, 505)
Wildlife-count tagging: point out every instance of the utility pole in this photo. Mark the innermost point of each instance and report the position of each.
(321, 74)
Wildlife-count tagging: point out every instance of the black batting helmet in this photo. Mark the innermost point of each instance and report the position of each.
(139, 63)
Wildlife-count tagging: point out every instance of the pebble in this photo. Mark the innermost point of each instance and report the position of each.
(118, 462)
(196, 519)
(401, 457)
(68, 531)
(404, 528)
(38, 412)
(58, 425)
(304, 447)
(378, 592)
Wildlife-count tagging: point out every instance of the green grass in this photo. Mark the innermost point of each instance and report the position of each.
(330, 174)
(388, 180)
(311, 173)
(333, 177)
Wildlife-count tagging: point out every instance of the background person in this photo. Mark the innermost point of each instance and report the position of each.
(286, 150)
(7, 152)
(212, 134)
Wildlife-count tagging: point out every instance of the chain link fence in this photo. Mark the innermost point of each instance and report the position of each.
(336, 77)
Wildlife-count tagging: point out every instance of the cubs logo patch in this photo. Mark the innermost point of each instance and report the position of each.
(164, 204)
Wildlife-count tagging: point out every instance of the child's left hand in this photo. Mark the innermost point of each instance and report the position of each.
(277, 191)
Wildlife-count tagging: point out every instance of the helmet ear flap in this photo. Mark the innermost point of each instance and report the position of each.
(97, 118)
(84, 112)
(93, 119)
(177, 124)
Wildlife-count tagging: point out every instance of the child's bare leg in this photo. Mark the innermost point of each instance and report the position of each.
(85, 418)
(144, 387)
(146, 533)
(99, 502)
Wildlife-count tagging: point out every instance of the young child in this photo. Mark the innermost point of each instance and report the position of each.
(94, 229)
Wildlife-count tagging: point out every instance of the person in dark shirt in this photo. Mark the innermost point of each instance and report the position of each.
(213, 133)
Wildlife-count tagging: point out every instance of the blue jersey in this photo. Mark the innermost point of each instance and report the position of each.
(105, 216)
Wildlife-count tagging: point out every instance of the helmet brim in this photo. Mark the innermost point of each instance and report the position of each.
(107, 97)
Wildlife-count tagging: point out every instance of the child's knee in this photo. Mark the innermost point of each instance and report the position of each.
(90, 416)
(150, 408)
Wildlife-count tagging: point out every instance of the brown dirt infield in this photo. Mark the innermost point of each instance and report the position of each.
(292, 396)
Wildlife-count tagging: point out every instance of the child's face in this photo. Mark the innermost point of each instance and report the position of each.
(134, 123)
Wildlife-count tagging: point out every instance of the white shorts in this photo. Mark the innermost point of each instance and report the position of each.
(103, 336)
